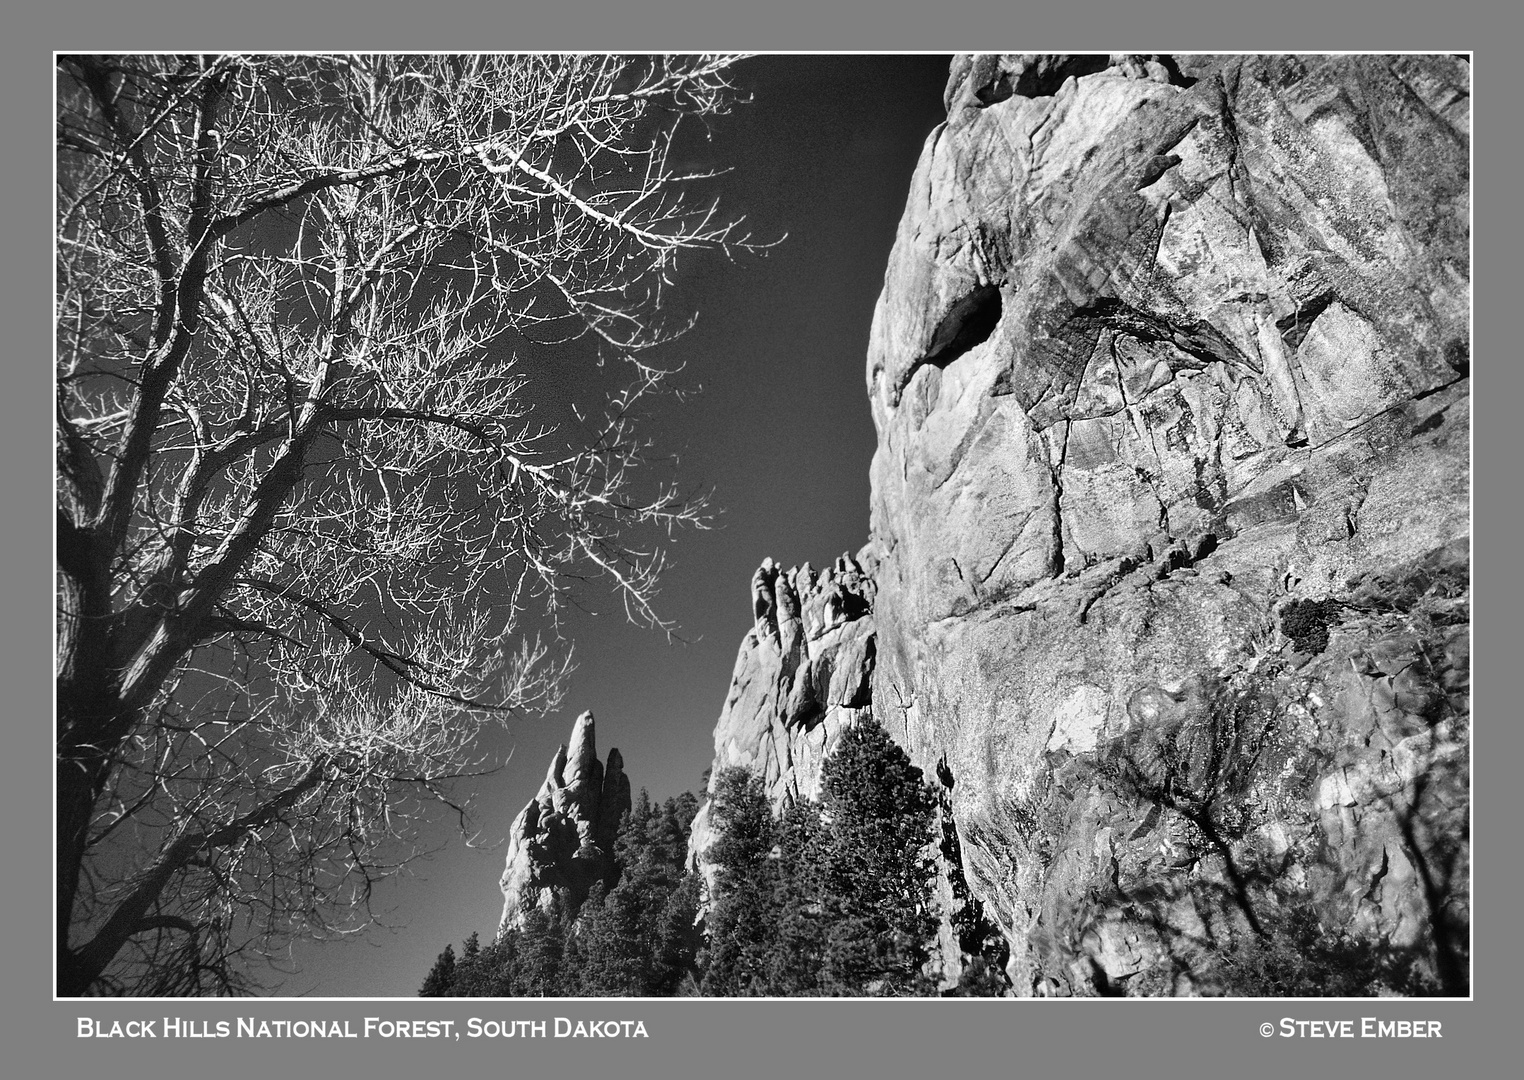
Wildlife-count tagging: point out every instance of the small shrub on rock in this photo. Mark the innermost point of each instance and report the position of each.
(1306, 623)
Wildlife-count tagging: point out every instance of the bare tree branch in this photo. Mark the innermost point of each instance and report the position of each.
(315, 528)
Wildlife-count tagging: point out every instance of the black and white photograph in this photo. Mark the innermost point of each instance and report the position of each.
(671, 540)
(619, 525)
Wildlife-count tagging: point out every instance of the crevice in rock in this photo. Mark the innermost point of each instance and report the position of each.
(1194, 338)
(1176, 76)
(966, 325)
(1153, 169)
(984, 577)
(977, 936)
(1045, 81)
(1373, 893)
(1056, 564)
(993, 92)
(1458, 356)
(1293, 328)
(1111, 575)
(1146, 826)
(1041, 77)
(1386, 413)
(1240, 179)
(1180, 555)
(1153, 262)
(959, 452)
(1441, 388)
(1179, 135)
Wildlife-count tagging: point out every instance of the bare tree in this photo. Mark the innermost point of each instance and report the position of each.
(312, 530)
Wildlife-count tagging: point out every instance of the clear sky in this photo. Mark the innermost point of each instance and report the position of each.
(778, 428)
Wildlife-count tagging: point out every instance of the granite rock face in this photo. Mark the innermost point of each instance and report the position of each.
(565, 837)
(804, 671)
(1169, 578)
(1170, 348)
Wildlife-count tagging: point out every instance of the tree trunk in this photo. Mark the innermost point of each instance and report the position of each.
(88, 727)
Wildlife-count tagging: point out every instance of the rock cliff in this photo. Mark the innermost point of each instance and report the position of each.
(565, 837)
(1169, 574)
(1171, 508)
(804, 671)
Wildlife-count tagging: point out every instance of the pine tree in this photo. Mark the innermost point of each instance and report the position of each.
(740, 923)
(485, 972)
(636, 939)
(440, 981)
(832, 899)
(608, 961)
(538, 949)
(798, 946)
(656, 897)
(678, 939)
(877, 868)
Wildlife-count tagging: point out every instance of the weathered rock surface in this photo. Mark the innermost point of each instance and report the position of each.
(804, 671)
(565, 837)
(1166, 344)
(1169, 579)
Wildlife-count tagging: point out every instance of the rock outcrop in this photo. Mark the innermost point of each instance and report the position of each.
(804, 671)
(1171, 512)
(565, 837)
(1169, 577)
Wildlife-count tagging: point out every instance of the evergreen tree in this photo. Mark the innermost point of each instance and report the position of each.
(573, 959)
(878, 872)
(656, 897)
(832, 899)
(740, 923)
(678, 940)
(635, 939)
(538, 948)
(639, 939)
(483, 972)
(798, 944)
(608, 936)
(440, 981)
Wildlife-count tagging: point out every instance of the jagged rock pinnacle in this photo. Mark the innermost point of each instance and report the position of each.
(564, 838)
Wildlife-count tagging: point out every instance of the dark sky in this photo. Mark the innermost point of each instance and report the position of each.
(779, 430)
